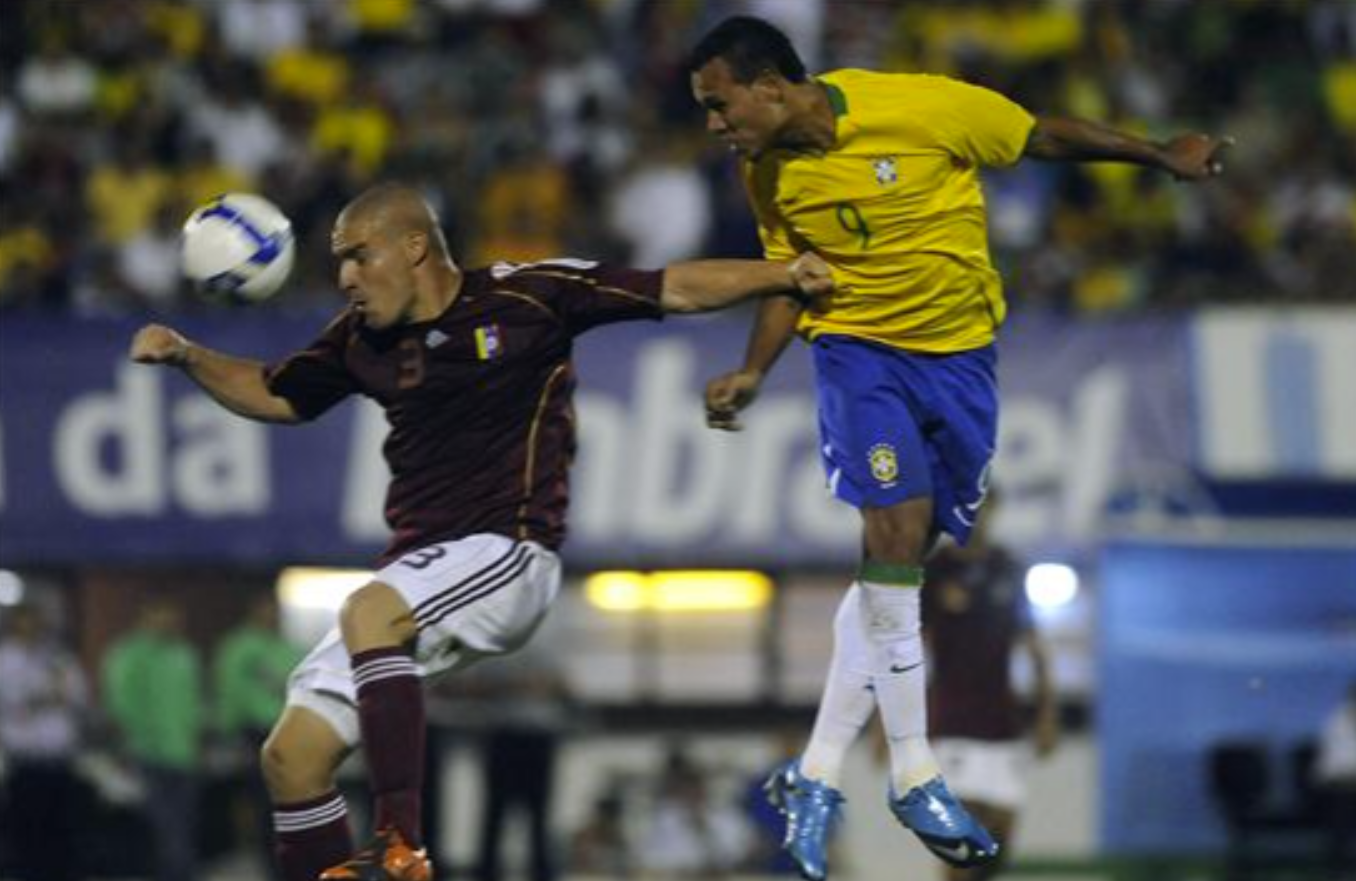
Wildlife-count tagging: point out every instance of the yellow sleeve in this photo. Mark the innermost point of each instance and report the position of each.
(772, 229)
(977, 125)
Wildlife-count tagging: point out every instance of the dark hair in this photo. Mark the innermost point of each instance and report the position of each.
(750, 46)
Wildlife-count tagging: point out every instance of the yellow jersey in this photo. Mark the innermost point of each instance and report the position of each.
(895, 208)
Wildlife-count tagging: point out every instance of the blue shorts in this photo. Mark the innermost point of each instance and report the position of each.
(899, 425)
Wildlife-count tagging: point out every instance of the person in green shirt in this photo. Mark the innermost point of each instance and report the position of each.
(249, 675)
(249, 672)
(152, 687)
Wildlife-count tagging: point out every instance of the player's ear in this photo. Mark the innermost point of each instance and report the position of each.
(416, 247)
(768, 86)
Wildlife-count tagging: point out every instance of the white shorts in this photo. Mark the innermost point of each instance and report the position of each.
(988, 771)
(473, 598)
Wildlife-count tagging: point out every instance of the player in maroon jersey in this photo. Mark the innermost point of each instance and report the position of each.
(473, 370)
(975, 614)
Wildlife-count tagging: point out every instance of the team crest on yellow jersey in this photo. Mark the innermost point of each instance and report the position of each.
(884, 464)
(886, 173)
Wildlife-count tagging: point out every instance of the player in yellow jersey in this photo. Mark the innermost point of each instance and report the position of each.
(879, 174)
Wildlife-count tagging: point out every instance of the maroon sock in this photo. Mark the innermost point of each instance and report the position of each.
(311, 836)
(391, 714)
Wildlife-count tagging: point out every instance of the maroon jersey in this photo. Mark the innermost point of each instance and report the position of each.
(974, 608)
(479, 399)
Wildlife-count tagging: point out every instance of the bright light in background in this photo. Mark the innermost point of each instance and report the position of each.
(316, 587)
(1049, 585)
(678, 591)
(11, 588)
(617, 591)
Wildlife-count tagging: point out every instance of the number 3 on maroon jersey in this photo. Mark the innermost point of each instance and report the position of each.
(411, 372)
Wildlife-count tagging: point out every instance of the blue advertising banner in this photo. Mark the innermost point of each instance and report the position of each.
(1201, 645)
(104, 460)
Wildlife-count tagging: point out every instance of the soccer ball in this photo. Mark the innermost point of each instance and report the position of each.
(238, 247)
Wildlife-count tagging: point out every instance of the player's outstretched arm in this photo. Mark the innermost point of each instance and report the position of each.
(1186, 157)
(705, 285)
(235, 383)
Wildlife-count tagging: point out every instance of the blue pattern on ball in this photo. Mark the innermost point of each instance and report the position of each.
(266, 247)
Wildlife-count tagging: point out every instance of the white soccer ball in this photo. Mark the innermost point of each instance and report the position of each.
(238, 246)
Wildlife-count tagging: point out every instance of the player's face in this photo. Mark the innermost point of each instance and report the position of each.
(373, 273)
(745, 116)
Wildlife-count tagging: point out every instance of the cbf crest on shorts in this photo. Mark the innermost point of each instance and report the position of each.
(884, 464)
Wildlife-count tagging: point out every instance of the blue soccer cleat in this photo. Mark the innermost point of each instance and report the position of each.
(812, 810)
(932, 813)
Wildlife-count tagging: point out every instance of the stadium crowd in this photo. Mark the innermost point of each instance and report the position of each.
(567, 127)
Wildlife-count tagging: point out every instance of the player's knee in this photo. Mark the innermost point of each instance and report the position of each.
(285, 771)
(301, 755)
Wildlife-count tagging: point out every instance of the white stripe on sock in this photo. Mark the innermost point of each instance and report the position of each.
(311, 818)
(383, 668)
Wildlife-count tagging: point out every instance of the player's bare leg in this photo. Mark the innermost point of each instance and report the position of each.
(379, 632)
(897, 538)
(298, 760)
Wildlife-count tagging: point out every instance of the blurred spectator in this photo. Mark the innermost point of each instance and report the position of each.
(9, 133)
(260, 29)
(57, 81)
(526, 714)
(149, 263)
(294, 95)
(601, 845)
(521, 215)
(124, 194)
(661, 208)
(202, 177)
(357, 127)
(311, 71)
(692, 833)
(152, 686)
(975, 616)
(377, 23)
(244, 135)
(43, 697)
(1335, 777)
(27, 256)
(249, 672)
(583, 99)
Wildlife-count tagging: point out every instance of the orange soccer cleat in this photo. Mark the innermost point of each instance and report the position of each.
(387, 858)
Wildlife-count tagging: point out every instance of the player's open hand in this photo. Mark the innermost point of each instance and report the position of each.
(726, 395)
(157, 344)
(1196, 157)
(812, 276)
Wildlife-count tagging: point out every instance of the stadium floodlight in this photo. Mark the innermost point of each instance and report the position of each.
(679, 590)
(1050, 585)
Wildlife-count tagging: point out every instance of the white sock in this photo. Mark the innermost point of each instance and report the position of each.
(847, 701)
(893, 626)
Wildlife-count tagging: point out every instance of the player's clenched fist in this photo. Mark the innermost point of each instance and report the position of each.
(812, 276)
(157, 344)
